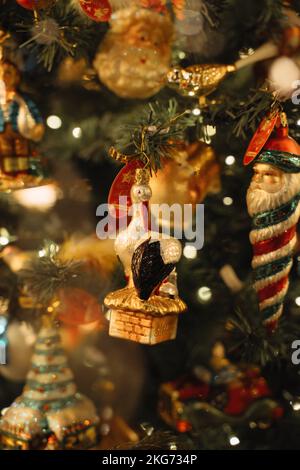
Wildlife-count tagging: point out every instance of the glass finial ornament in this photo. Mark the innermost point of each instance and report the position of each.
(145, 311)
(273, 201)
(50, 414)
(20, 125)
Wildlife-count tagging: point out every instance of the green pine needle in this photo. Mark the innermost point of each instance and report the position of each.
(46, 276)
(150, 137)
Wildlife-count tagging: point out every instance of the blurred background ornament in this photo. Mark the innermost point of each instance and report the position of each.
(134, 57)
(97, 10)
(188, 176)
(223, 392)
(36, 4)
(74, 306)
(20, 123)
(77, 71)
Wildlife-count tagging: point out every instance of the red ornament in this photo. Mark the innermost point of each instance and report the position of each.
(77, 307)
(121, 187)
(35, 4)
(97, 10)
(261, 136)
(290, 41)
(283, 142)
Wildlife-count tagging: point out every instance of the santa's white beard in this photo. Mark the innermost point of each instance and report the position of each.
(259, 200)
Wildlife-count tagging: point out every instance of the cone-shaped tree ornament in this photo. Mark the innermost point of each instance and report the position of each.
(273, 203)
(50, 413)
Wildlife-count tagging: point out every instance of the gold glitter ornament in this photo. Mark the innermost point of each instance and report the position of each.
(198, 80)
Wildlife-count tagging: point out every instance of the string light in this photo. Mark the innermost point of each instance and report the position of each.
(296, 406)
(297, 301)
(227, 201)
(4, 240)
(204, 294)
(211, 130)
(190, 252)
(196, 111)
(77, 132)
(42, 253)
(191, 93)
(181, 55)
(229, 160)
(298, 122)
(54, 122)
(234, 440)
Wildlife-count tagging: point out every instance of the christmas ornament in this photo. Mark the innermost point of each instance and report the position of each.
(273, 203)
(156, 5)
(198, 80)
(97, 10)
(75, 307)
(141, 311)
(50, 414)
(35, 4)
(20, 123)
(191, 172)
(221, 393)
(96, 254)
(134, 57)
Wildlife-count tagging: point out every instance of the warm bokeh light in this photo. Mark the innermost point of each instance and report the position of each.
(40, 198)
(54, 122)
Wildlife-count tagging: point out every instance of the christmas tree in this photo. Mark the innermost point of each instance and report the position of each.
(161, 102)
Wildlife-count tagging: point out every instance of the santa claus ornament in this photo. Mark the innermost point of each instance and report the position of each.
(273, 204)
(134, 57)
(147, 309)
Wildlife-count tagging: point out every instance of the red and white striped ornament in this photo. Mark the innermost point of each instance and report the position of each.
(96, 10)
(274, 241)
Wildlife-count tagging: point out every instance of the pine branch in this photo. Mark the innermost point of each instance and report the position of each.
(150, 137)
(58, 33)
(251, 342)
(46, 276)
(243, 115)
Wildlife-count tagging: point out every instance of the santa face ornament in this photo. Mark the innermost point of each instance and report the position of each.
(134, 57)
